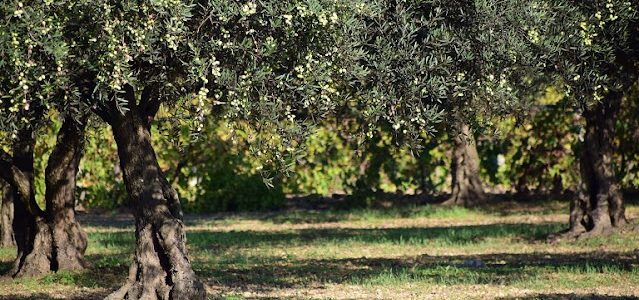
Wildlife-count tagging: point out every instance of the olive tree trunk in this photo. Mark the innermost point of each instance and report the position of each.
(467, 189)
(51, 240)
(28, 226)
(69, 240)
(160, 268)
(598, 205)
(6, 217)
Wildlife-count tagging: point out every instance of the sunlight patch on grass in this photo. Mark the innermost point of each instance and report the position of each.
(409, 251)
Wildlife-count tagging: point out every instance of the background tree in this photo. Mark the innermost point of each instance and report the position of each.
(433, 60)
(273, 64)
(627, 133)
(491, 61)
(6, 216)
(592, 46)
(537, 152)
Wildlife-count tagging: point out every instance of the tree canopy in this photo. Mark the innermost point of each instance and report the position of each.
(396, 72)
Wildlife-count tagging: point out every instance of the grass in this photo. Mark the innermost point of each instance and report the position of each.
(414, 252)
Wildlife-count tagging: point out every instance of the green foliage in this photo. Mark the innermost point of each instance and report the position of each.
(406, 78)
(131, 44)
(33, 68)
(538, 154)
(430, 60)
(591, 46)
(627, 135)
(217, 172)
(278, 68)
(329, 165)
(248, 87)
(338, 161)
(100, 183)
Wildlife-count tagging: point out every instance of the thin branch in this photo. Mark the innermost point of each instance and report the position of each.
(149, 103)
(102, 112)
(152, 108)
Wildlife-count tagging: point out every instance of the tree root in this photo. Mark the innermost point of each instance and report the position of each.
(160, 268)
(52, 250)
(579, 233)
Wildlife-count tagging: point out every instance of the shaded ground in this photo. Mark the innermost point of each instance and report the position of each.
(408, 252)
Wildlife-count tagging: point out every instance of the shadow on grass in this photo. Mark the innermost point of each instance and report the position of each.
(570, 297)
(499, 269)
(5, 266)
(217, 261)
(454, 235)
(269, 273)
(119, 220)
(222, 263)
(41, 296)
(316, 209)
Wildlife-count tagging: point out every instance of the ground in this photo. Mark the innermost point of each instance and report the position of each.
(497, 251)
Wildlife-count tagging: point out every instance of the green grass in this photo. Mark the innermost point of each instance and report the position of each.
(395, 253)
(579, 276)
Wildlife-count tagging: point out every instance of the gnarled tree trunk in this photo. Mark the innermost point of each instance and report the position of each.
(598, 206)
(161, 268)
(467, 189)
(69, 241)
(50, 240)
(6, 217)
(30, 230)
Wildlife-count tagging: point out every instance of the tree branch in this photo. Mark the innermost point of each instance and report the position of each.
(129, 95)
(5, 159)
(102, 112)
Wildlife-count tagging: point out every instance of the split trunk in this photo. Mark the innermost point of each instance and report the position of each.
(51, 240)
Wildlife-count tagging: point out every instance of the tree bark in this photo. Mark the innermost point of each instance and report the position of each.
(598, 206)
(51, 240)
(467, 189)
(31, 233)
(161, 268)
(6, 218)
(69, 241)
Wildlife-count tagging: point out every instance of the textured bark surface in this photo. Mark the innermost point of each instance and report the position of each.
(161, 268)
(597, 208)
(32, 236)
(69, 241)
(467, 188)
(51, 240)
(34, 249)
(6, 217)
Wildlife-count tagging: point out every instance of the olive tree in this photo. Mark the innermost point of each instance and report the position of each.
(271, 65)
(34, 81)
(453, 61)
(592, 47)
